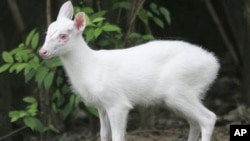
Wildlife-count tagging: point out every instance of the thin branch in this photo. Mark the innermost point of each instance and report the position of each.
(222, 32)
(98, 4)
(12, 133)
(16, 15)
(48, 12)
(136, 7)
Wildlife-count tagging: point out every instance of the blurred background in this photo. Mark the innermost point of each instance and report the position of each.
(36, 100)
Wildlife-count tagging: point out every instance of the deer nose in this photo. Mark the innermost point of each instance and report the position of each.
(43, 52)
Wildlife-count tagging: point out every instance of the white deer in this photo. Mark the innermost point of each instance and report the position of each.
(114, 81)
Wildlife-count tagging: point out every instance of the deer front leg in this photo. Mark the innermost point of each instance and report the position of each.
(118, 120)
(105, 132)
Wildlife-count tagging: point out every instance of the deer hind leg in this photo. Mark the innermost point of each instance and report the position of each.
(207, 122)
(199, 117)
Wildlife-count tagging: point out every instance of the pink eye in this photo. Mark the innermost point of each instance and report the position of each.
(63, 36)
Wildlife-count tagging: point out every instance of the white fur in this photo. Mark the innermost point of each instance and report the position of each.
(172, 72)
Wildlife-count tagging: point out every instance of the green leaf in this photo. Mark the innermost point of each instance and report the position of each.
(30, 74)
(59, 99)
(33, 123)
(48, 80)
(166, 14)
(59, 81)
(124, 5)
(54, 62)
(98, 14)
(29, 37)
(77, 100)
(93, 111)
(88, 10)
(41, 74)
(54, 107)
(34, 41)
(29, 99)
(149, 14)
(66, 111)
(110, 27)
(32, 109)
(77, 9)
(52, 128)
(21, 66)
(13, 68)
(24, 55)
(35, 63)
(98, 19)
(14, 119)
(148, 37)
(23, 114)
(18, 49)
(4, 67)
(66, 89)
(158, 22)
(134, 35)
(7, 57)
(153, 7)
(88, 22)
(97, 32)
(30, 122)
(14, 115)
(71, 100)
(89, 34)
(27, 70)
(143, 16)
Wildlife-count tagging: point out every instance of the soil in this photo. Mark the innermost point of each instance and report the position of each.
(164, 129)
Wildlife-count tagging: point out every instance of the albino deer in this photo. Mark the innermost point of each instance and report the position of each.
(114, 81)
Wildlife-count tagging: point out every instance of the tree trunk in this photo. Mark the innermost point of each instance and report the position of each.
(131, 20)
(48, 12)
(146, 117)
(146, 113)
(246, 56)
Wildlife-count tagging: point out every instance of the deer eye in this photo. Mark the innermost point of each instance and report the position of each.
(63, 36)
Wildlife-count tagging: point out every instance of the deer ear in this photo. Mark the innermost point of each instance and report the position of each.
(80, 21)
(66, 10)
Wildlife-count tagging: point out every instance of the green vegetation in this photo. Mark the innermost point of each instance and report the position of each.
(48, 75)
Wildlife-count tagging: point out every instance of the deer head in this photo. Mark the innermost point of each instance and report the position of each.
(62, 34)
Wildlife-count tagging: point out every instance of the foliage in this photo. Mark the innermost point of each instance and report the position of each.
(29, 116)
(24, 59)
(49, 75)
(106, 35)
(154, 13)
(99, 31)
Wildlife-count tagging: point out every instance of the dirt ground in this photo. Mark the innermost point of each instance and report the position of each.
(164, 129)
(167, 127)
(221, 133)
(176, 134)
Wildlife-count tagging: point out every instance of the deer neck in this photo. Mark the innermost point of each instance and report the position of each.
(79, 60)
